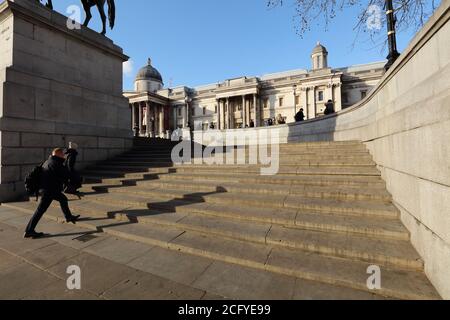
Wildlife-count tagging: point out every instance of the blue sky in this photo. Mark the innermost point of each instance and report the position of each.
(205, 41)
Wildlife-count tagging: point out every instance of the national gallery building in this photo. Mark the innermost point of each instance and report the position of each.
(247, 101)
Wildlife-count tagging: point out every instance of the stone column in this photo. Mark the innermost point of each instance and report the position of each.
(337, 97)
(312, 112)
(304, 102)
(244, 112)
(140, 118)
(149, 119)
(227, 114)
(257, 110)
(295, 101)
(155, 120)
(187, 114)
(249, 112)
(161, 122)
(218, 113)
(175, 118)
(329, 93)
(133, 116)
(224, 114)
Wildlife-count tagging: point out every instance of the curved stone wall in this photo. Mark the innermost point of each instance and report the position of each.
(405, 122)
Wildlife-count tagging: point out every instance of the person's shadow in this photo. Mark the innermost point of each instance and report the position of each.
(166, 207)
(133, 215)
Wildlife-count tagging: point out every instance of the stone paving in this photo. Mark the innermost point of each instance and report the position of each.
(36, 269)
(113, 268)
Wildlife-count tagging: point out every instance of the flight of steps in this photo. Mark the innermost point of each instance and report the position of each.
(325, 217)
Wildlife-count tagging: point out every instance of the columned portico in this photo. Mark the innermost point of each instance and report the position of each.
(149, 116)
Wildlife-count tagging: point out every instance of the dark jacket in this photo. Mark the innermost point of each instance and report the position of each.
(329, 108)
(300, 116)
(71, 159)
(55, 175)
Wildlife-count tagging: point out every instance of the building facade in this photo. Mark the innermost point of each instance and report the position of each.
(248, 101)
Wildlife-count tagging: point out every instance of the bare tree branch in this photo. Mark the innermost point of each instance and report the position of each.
(409, 13)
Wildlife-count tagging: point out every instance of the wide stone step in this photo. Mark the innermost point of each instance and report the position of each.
(337, 193)
(284, 170)
(286, 161)
(358, 182)
(360, 225)
(329, 160)
(352, 208)
(288, 149)
(383, 251)
(345, 181)
(325, 143)
(143, 161)
(138, 152)
(314, 153)
(313, 220)
(351, 273)
(95, 176)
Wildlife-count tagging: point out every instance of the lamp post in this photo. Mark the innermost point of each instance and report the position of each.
(392, 40)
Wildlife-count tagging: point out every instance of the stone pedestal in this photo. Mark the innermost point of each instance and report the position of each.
(56, 85)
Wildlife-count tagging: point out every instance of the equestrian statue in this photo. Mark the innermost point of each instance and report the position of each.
(100, 4)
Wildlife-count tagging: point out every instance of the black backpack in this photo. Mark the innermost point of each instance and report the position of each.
(33, 181)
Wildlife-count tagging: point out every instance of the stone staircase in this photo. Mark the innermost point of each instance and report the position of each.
(326, 217)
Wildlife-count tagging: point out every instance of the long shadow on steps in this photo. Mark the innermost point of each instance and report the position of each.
(126, 182)
(167, 207)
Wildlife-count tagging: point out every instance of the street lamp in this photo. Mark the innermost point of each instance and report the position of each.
(391, 21)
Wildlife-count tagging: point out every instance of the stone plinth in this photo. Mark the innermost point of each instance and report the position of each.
(56, 85)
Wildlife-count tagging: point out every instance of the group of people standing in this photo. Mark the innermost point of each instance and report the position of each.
(329, 109)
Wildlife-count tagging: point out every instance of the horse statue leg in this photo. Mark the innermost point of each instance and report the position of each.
(48, 5)
(101, 9)
(87, 10)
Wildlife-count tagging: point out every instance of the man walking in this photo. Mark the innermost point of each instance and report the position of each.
(53, 178)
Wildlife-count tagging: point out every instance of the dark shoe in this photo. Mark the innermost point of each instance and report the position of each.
(33, 235)
(73, 219)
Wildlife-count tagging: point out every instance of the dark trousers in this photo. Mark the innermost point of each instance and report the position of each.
(46, 200)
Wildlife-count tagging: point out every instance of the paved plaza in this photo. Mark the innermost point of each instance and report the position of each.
(114, 268)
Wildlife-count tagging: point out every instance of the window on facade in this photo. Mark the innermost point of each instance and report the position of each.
(204, 111)
(266, 103)
(297, 100)
(363, 94)
(179, 111)
(320, 96)
(193, 112)
(280, 102)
